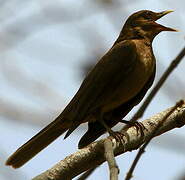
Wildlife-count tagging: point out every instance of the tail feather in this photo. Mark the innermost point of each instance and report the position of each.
(38, 142)
(91, 135)
(95, 130)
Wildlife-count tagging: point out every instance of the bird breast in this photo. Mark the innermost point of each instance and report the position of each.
(145, 59)
(133, 83)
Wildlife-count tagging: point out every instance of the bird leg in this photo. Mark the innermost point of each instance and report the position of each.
(138, 125)
(117, 135)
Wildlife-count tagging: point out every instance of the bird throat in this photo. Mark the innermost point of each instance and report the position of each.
(135, 33)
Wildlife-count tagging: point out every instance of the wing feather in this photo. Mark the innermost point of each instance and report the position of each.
(101, 81)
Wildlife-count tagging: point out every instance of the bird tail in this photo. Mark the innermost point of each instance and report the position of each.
(95, 130)
(38, 142)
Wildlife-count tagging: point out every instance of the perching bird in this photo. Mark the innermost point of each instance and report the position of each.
(112, 88)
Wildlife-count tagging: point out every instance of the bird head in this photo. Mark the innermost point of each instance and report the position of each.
(143, 24)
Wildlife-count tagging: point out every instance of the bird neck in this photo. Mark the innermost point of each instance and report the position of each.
(129, 34)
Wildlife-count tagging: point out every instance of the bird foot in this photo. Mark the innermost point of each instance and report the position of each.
(139, 128)
(118, 136)
(138, 125)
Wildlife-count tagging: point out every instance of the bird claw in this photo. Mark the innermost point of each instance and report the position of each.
(140, 128)
(138, 125)
(118, 136)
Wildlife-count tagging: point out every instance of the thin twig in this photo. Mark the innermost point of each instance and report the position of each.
(93, 155)
(151, 95)
(86, 174)
(142, 149)
(109, 156)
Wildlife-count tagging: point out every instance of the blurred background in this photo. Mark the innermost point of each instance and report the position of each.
(46, 49)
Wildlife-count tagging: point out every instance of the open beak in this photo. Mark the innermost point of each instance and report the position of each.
(163, 13)
(160, 15)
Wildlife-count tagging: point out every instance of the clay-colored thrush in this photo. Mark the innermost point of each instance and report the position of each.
(112, 88)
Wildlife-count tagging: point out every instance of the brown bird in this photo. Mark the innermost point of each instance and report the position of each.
(112, 88)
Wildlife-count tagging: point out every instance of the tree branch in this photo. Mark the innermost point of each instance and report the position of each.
(109, 156)
(93, 154)
(142, 149)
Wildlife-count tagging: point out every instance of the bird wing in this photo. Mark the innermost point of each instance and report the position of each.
(100, 83)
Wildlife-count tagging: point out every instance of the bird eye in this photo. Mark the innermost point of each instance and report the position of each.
(148, 15)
